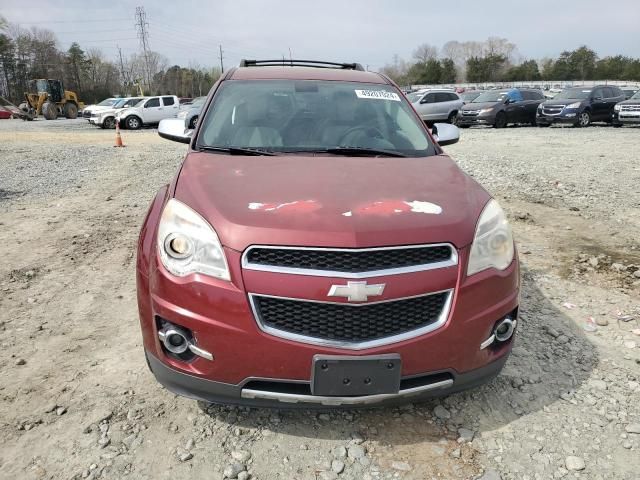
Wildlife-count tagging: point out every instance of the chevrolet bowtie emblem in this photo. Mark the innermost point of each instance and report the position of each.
(356, 291)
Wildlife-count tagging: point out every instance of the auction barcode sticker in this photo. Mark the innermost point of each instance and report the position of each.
(378, 94)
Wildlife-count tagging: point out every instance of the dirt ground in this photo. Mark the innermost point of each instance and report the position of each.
(77, 399)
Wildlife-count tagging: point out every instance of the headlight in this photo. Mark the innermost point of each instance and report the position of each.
(486, 110)
(188, 244)
(493, 242)
(573, 105)
(182, 114)
(616, 108)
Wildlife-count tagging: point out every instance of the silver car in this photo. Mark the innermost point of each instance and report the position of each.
(435, 105)
(191, 112)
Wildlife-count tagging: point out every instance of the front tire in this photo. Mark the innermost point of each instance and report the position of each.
(70, 110)
(50, 111)
(501, 120)
(584, 119)
(453, 118)
(193, 122)
(133, 123)
(109, 123)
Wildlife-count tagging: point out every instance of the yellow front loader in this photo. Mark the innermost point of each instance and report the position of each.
(49, 98)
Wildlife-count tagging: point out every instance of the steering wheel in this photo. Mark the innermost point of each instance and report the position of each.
(371, 131)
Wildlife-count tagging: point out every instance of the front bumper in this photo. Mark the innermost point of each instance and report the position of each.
(621, 117)
(198, 388)
(470, 120)
(570, 118)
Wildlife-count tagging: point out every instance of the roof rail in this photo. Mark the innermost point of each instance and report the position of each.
(300, 63)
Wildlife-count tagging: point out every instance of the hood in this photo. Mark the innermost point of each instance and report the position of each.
(480, 106)
(96, 108)
(331, 201)
(635, 101)
(123, 112)
(564, 101)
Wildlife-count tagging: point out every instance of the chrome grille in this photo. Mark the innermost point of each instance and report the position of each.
(552, 109)
(630, 108)
(352, 326)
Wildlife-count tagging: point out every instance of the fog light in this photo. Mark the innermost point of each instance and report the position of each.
(179, 340)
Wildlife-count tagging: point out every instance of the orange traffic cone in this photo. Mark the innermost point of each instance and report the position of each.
(118, 137)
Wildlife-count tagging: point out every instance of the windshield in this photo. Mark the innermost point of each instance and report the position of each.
(573, 94)
(108, 102)
(138, 103)
(312, 115)
(415, 96)
(198, 102)
(636, 96)
(470, 96)
(491, 96)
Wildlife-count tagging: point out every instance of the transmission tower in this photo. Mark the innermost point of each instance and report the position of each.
(142, 26)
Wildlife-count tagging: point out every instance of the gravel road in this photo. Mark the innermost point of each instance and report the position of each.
(77, 400)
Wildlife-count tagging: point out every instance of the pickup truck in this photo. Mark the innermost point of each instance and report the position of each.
(149, 112)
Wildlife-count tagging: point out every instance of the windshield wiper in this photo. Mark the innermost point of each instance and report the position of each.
(235, 150)
(362, 151)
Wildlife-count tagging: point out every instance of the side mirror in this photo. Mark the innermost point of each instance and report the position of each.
(175, 130)
(445, 134)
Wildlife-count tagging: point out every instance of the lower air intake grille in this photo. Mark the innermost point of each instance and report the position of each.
(346, 323)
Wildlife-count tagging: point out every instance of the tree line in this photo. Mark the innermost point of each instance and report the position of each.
(27, 54)
(497, 60)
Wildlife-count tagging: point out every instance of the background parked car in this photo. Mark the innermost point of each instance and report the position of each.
(580, 106)
(148, 112)
(107, 118)
(501, 107)
(103, 105)
(470, 95)
(436, 105)
(627, 112)
(191, 112)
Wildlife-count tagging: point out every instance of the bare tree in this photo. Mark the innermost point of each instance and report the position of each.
(425, 52)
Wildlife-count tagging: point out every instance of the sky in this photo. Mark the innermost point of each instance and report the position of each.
(189, 32)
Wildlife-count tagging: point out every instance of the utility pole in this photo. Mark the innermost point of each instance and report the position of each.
(142, 26)
(221, 57)
(124, 78)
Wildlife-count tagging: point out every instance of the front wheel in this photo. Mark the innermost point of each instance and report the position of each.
(193, 122)
(453, 118)
(70, 110)
(501, 120)
(50, 111)
(584, 120)
(133, 123)
(109, 123)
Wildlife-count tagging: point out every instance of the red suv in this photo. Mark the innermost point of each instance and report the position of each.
(317, 247)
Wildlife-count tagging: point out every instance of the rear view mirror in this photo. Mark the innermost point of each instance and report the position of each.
(445, 134)
(175, 130)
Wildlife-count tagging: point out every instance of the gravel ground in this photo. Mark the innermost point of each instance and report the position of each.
(77, 400)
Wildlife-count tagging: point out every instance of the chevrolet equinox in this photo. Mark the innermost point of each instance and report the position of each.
(318, 248)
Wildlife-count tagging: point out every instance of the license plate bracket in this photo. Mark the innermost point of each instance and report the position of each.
(347, 376)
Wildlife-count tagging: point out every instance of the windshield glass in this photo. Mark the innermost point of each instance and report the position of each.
(108, 102)
(636, 96)
(414, 97)
(312, 115)
(198, 102)
(138, 103)
(491, 96)
(120, 103)
(470, 96)
(574, 93)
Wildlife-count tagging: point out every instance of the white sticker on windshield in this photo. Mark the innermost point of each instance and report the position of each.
(378, 94)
